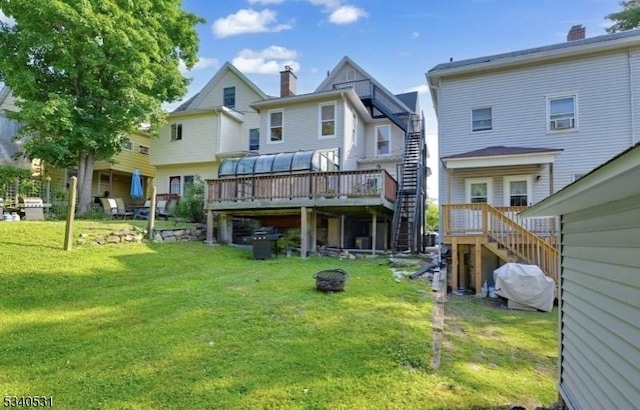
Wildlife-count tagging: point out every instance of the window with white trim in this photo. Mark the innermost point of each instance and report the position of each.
(276, 120)
(127, 146)
(229, 97)
(350, 74)
(176, 132)
(562, 113)
(481, 119)
(254, 139)
(383, 139)
(175, 184)
(327, 120)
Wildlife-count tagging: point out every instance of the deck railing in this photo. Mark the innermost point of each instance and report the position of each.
(327, 185)
(501, 227)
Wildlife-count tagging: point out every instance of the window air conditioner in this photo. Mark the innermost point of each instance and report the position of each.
(562, 124)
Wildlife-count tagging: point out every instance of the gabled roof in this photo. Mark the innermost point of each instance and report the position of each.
(500, 156)
(197, 99)
(612, 181)
(565, 48)
(409, 99)
(331, 78)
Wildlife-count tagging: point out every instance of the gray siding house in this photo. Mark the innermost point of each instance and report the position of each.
(599, 285)
(517, 127)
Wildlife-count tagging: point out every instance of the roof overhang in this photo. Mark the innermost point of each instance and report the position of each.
(612, 181)
(500, 160)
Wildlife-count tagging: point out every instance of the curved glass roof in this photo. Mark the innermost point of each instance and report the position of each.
(284, 162)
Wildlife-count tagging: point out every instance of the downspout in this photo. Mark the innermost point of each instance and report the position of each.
(631, 99)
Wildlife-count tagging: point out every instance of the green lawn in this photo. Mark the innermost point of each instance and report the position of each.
(190, 326)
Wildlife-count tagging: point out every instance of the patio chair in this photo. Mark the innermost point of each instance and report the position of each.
(122, 210)
(167, 210)
(109, 206)
(143, 212)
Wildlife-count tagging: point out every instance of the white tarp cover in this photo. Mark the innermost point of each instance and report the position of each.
(525, 284)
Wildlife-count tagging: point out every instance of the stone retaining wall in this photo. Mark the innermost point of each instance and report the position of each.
(133, 234)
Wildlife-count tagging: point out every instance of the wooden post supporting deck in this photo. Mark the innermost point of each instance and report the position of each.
(478, 265)
(374, 236)
(341, 232)
(304, 232)
(454, 265)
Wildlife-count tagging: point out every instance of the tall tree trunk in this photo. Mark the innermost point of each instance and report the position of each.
(85, 176)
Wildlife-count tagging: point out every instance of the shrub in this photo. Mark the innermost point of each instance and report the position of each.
(191, 205)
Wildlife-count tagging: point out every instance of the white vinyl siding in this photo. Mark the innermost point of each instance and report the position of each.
(300, 124)
(199, 144)
(214, 97)
(600, 319)
(520, 96)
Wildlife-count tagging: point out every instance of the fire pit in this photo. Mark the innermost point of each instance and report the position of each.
(331, 280)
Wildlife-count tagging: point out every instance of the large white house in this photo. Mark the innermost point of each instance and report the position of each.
(345, 163)
(515, 128)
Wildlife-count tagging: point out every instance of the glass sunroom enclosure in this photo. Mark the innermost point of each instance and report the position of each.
(284, 162)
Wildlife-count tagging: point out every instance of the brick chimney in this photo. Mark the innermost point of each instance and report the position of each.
(576, 32)
(287, 82)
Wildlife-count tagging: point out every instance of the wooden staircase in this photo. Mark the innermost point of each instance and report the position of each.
(408, 216)
(512, 242)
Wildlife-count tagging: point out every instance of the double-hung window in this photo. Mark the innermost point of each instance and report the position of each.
(481, 119)
(229, 97)
(176, 132)
(254, 139)
(276, 120)
(327, 120)
(383, 140)
(562, 113)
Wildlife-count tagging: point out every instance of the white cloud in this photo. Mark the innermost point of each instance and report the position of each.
(202, 63)
(347, 15)
(328, 4)
(421, 89)
(6, 19)
(270, 60)
(248, 21)
(265, 2)
(415, 34)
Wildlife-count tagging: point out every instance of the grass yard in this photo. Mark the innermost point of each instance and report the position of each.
(189, 326)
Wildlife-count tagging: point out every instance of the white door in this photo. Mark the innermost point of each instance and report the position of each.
(477, 191)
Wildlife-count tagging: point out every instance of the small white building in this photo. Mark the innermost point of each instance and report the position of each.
(599, 284)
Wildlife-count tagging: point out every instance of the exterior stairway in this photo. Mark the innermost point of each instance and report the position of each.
(512, 242)
(408, 216)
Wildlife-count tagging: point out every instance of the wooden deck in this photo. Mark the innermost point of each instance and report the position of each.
(469, 227)
(343, 189)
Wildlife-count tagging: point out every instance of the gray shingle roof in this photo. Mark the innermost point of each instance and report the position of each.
(409, 99)
(565, 45)
(185, 105)
(501, 150)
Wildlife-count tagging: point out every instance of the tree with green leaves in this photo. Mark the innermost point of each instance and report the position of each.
(433, 216)
(626, 19)
(87, 72)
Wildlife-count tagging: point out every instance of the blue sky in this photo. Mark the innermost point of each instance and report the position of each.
(397, 42)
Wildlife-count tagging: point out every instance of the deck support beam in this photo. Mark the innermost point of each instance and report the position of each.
(342, 232)
(304, 232)
(478, 266)
(454, 265)
(374, 234)
(225, 228)
(210, 240)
